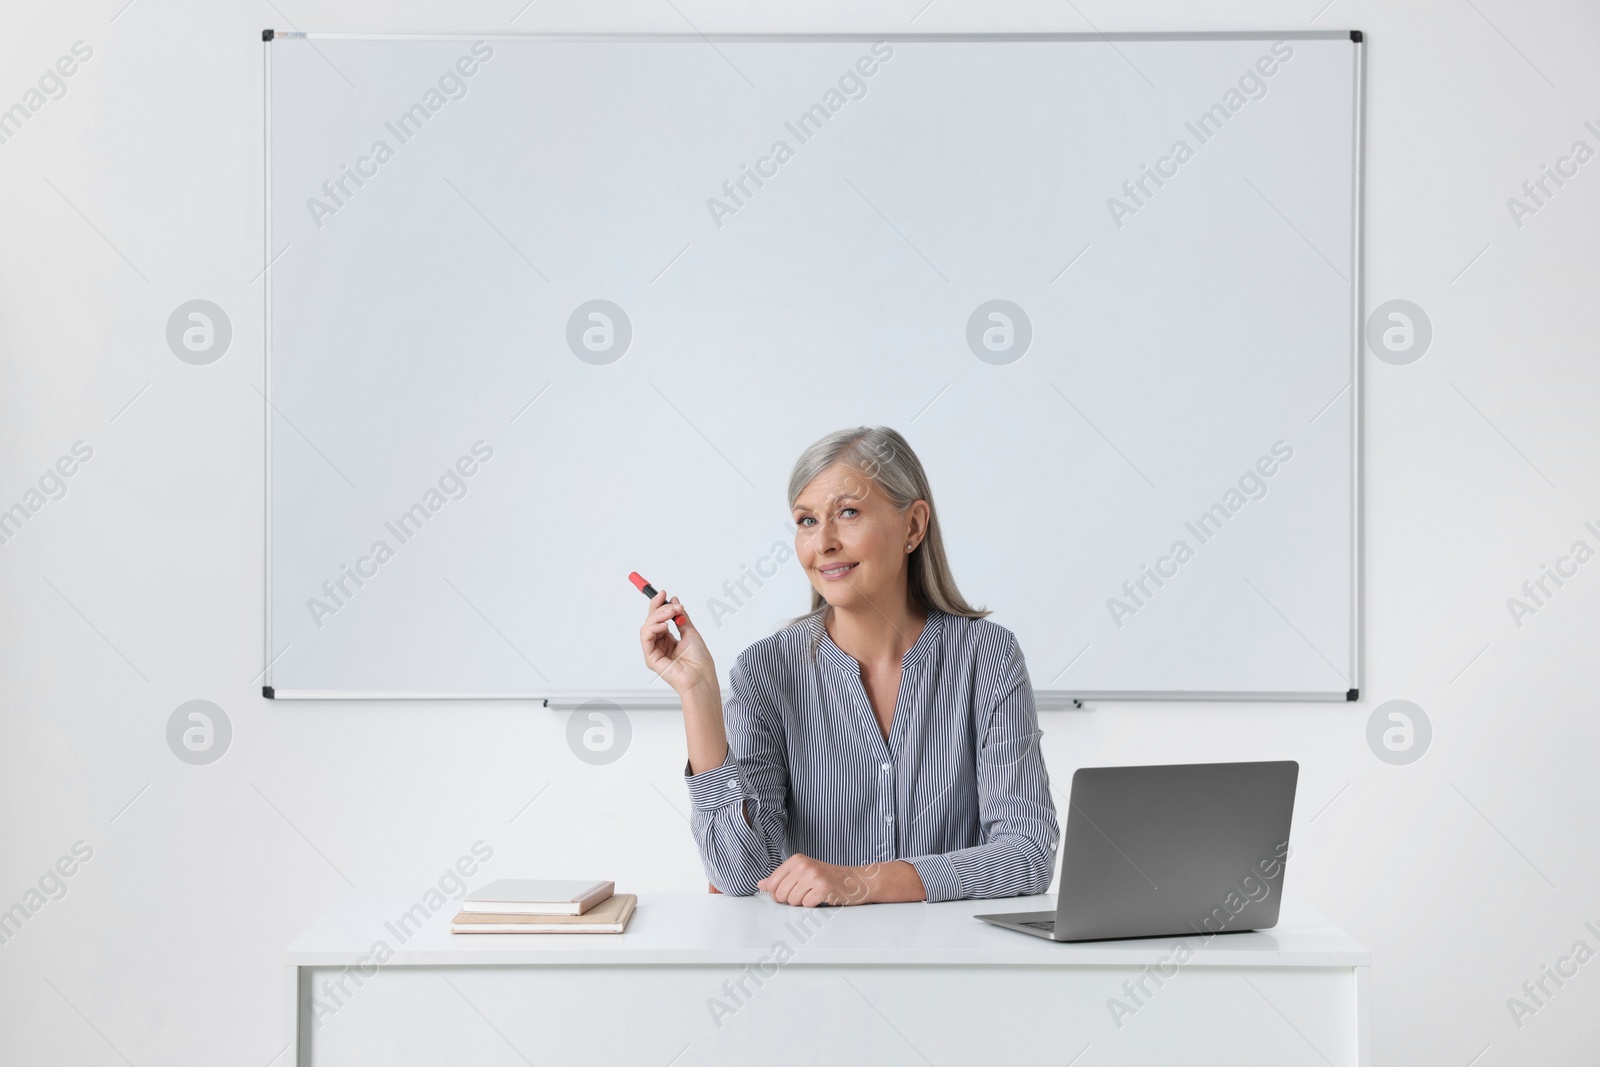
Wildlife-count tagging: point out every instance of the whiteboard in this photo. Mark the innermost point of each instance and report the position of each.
(543, 310)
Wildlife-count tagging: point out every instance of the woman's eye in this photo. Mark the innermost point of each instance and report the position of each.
(806, 519)
(848, 511)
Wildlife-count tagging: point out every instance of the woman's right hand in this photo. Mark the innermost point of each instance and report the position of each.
(683, 662)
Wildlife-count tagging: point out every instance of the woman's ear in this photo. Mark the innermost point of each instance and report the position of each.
(918, 528)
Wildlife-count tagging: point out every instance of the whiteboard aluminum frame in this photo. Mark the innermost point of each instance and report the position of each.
(267, 658)
(1046, 699)
(1357, 341)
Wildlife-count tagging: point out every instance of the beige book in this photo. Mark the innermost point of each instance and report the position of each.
(610, 916)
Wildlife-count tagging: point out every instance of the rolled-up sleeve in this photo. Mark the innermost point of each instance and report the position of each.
(1015, 812)
(753, 781)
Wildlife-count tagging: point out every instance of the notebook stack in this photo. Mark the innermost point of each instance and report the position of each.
(541, 906)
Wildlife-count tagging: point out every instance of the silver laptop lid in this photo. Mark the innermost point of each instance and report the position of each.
(1175, 849)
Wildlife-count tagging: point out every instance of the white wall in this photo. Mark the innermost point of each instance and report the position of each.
(141, 588)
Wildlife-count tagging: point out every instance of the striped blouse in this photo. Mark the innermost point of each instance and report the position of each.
(959, 789)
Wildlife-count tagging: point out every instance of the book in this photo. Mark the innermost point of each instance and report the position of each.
(608, 917)
(536, 896)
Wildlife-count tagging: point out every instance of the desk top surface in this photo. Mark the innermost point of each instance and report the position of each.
(705, 929)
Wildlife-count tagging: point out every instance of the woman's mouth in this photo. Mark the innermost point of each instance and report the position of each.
(834, 571)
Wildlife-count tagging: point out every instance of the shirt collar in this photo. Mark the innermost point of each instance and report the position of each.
(918, 652)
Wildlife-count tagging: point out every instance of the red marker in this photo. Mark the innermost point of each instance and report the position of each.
(650, 591)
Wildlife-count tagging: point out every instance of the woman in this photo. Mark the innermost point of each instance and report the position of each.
(882, 747)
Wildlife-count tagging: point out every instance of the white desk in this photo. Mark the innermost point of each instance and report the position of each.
(881, 984)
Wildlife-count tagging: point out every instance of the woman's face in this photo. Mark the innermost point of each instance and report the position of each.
(852, 541)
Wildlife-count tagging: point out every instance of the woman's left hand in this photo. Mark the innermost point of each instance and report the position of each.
(807, 882)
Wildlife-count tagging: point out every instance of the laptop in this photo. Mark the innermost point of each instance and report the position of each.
(1179, 849)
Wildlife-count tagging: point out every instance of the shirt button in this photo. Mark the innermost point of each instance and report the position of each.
(888, 818)
(733, 785)
(884, 768)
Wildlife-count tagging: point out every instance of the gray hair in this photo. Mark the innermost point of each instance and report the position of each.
(883, 456)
